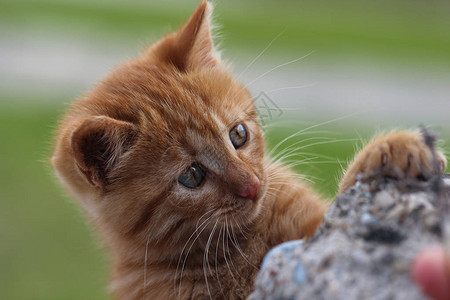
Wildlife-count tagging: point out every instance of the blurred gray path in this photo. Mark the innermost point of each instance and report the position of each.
(379, 96)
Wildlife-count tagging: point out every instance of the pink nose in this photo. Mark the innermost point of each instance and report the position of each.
(251, 190)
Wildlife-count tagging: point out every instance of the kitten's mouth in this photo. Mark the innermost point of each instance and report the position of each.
(237, 205)
(242, 205)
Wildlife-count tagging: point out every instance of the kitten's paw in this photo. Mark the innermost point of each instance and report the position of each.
(403, 151)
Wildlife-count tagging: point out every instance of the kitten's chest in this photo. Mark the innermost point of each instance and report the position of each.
(233, 281)
(230, 275)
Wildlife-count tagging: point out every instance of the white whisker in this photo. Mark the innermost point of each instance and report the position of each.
(224, 253)
(228, 246)
(206, 266)
(236, 244)
(217, 250)
(145, 262)
(308, 128)
(277, 67)
(292, 87)
(289, 148)
(185, 245)
(260, 54)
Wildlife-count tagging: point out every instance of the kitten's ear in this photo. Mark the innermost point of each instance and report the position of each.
(192, 46)
(98, 144)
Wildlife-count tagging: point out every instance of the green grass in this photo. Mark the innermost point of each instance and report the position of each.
(46, 250)
(404, 32)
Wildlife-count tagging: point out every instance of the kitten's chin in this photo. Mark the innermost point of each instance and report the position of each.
(244, 211)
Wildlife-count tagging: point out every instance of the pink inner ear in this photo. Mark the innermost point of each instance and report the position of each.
(192, 47)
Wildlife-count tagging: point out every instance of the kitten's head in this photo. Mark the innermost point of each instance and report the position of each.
(167, 138)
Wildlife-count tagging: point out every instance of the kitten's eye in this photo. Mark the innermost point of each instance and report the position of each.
(238, 136)
(193, 177)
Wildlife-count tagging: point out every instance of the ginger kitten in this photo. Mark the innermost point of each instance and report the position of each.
(168, 159)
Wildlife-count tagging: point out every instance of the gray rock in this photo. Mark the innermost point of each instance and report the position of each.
(365, 248)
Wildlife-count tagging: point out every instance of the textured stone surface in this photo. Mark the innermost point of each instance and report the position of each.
(366, 245)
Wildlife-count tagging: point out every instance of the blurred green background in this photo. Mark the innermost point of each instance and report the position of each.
(369, 65)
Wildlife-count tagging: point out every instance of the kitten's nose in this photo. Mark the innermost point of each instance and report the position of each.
(251, 190)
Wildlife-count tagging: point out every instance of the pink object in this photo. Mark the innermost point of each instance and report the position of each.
(251, 190)
(431, 271)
